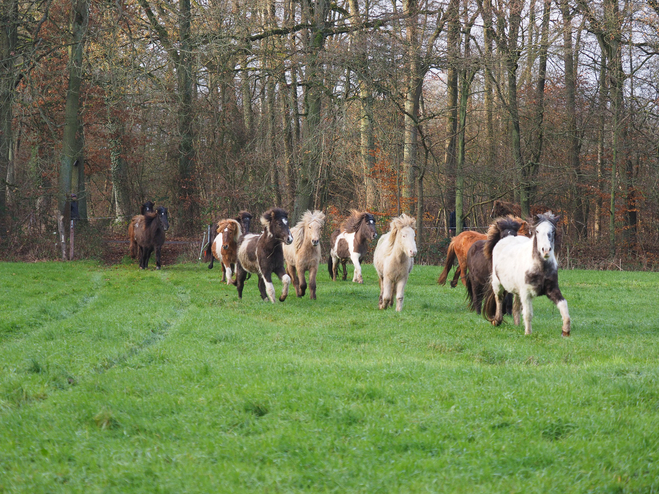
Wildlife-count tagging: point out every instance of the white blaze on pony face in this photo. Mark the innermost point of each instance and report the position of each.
(545, 235)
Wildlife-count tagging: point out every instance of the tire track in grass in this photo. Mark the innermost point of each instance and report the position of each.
(155, 335)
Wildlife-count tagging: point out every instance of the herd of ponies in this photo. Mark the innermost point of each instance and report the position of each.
(502, 270)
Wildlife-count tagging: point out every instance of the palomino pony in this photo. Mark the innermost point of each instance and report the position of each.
(393, 260)
(479, 262)
(263, 254)
(244, 218)
(527, 268)
(225, 247)
(304, 253)
(148, 234)
(350, 241)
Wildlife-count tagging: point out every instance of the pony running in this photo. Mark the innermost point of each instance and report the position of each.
(527, 268)
(393, 260)
(479, 261)
(458, 248)
(244, 218)
(147, 233)
(304, 253)
(350, 241)
(225, 247)
(263, 254)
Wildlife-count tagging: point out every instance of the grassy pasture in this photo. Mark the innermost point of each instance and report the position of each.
(115, 380)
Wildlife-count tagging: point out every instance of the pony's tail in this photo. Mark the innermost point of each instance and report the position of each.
(208, 251)
(489, 303)
(450, 259)
(329, 267)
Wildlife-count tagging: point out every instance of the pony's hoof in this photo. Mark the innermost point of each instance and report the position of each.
(565, 334)
(282, 299)
(454, 284)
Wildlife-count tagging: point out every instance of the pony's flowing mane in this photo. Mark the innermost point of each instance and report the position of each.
(353, 222)
(494, 233)
(307, 218)
(396, 225)
(237, 230)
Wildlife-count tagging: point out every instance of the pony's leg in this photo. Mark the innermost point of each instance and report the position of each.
(387, 288)
(357, 276)
(555, 295)
(498, 298)
(456, 277)
(380, 282)
(228, 272)
(517, 309)
(302, 282)
(293, 273)
(241, 274)
(224, 272)
(158, 264)
(312, 282)
(232, 281)
(400, 294)
(527, 311)
(266, 288)
(285, 280)
(345, 269)
(335, 266)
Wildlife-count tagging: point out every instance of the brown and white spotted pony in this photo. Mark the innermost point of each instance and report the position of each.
(147, 233)
(304, 253)
(244, 218)
(527, 268)
(393, 260)
(350, 242)
(263, 254)
(225, 247)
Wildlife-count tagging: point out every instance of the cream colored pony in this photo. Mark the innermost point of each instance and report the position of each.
(304, 253)
(393, 260)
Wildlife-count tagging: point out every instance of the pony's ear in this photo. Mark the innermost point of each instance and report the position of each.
(267, 217)
(556, 219)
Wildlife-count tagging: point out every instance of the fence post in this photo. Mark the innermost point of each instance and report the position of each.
(60, 230)
(71, 240)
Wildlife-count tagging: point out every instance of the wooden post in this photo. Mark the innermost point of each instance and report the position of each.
(60, 228)
(71, 240)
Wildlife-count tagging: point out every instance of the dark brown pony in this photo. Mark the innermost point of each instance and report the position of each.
(148, 232)
(503, 208)
(225, 247)
(263, 254)
(350, 241)
(479, 261)
(147, 207)
(244, 218)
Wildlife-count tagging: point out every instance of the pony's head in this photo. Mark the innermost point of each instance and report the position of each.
(503, 208)
(163, 216)
(362, 222)
(501, 228)
(230, 231)
(310, 227)
(244, 218)
(275, 222)
(147, 207)
(544, 233)
(403, 233)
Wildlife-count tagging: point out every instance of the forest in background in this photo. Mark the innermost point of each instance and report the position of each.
(421, 106)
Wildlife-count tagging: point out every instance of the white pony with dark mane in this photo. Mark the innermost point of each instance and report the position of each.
(527, 268)
(393, 260)
(304, 253)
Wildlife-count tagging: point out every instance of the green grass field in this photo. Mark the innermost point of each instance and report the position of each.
(116, 380)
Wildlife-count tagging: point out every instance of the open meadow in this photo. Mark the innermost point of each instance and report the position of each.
(119, 380)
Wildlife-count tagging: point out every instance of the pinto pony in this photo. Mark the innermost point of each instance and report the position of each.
(527, 268)
(479, 261)
(304, 253)
(244, 218)
(263, 254)
(393, 260)
(350, 241)
(225, 247)
(147, 233)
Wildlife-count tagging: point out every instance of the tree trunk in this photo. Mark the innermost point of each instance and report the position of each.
(72, 140)
(8, 41)
(450, 150)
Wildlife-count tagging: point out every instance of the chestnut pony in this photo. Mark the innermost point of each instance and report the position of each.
(225, 247)
(304, 253)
